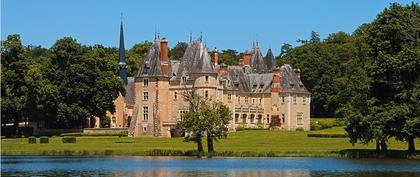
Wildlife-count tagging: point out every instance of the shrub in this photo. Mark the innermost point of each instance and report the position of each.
(69, 139)
(120, 134)
(32, 140)
(299, 129)
(327, 135)
(43, 140)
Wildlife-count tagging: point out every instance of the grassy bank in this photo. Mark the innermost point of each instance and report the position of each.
(247, 143)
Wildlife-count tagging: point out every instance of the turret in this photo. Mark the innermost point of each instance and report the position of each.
(121, 57)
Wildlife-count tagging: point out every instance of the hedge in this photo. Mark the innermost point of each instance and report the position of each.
(32, 140)
(43, 140)
(69, 139)
(120, 134)
(327, 135)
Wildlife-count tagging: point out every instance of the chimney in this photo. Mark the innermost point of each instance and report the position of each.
(216, 57)
(247, 58)
(164, 50)
(297, 72)
(275, 88)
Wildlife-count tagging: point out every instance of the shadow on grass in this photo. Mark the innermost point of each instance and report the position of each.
(372, 153)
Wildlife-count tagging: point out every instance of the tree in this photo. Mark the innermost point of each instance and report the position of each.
(14, 91)
(229, 57)
(205, 116)
(217, 116)
(178, 51)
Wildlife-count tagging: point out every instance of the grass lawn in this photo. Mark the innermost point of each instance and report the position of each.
(280, 143)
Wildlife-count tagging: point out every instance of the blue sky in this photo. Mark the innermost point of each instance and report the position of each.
(225, 24)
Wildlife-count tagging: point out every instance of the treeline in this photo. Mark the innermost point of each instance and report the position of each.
(370, 78)
(60, 86)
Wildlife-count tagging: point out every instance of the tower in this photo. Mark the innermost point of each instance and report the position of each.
(122, 65)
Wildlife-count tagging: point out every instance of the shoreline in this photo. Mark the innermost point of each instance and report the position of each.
(357, 154)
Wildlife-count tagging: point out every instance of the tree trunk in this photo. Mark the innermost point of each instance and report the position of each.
(210, 147)
(16, 121)
(378, 148)
(384, 147)
(411, 146)
(199, 145)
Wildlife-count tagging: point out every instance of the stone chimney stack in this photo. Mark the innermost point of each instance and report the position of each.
(164, 58)
(297, 72)
(275, 88)
(164, 50)
(216, 56)
(246, 58)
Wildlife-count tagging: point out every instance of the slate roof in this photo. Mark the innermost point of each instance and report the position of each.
(151, 65)
(270, 60)
(130, 92)
(196, 60)
(260, 82)
(258, 64)
(290, 82)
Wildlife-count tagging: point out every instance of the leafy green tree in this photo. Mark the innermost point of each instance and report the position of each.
(217, 117)
(229, 57)
(14, 91)
(178, 51)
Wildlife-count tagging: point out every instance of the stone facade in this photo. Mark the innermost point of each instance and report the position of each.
(259, 94)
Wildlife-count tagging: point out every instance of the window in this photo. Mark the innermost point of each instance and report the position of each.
(261, 86)
(246, 99)
(294, 99)
(268, 118)
(259, 119)
(260, 100)
(175, 95)
(229, 97)
(252, 118)
(282, 99)
(181, 113)
(239, 99)
(236, 118)
(145, 82)
(244, 118)
(253, 101)
(304, 100)
(299, 118)
(184, 79)
(144, 129)
(145, 113)
(206, 93)
(282, 118)
(207, 79)
(145, 96)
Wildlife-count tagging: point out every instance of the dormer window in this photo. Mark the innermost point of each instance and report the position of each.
(145, 82)
(184, 79)
(236, 85)
(254, 86)
(261, 86)
(207, 79)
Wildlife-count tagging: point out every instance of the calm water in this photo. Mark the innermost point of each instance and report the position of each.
(173, 166)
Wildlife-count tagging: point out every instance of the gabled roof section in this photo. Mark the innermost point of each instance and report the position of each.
(270, 60)
(196, 60)
(257, 61)
(290, 82)
(151, 65)
(238, 78)
(260, 83)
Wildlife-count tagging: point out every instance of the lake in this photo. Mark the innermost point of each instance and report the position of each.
(179, 166)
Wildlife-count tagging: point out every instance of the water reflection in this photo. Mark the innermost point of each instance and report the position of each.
(172, 166)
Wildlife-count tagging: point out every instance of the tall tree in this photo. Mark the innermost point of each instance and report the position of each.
(178, 51)
(14, 91)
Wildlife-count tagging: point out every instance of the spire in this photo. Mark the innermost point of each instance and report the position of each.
(122, 65)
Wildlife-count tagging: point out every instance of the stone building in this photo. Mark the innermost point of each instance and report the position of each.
(259, 94)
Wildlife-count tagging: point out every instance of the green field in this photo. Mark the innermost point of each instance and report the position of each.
(241, 143)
